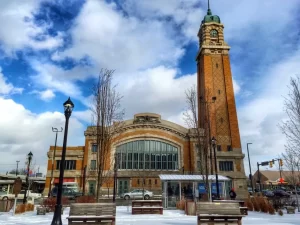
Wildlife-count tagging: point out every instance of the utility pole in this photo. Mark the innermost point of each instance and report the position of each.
(53, 158)
(258, 174)
(266, 163)
(17, 167)
(251, 180)
(37, 172)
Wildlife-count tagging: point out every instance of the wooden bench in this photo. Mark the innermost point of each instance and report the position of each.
(215, 212)
(243, 209)
(241, 202)
(147, 207)
(92, 213)
(40, 210)
(290, 210)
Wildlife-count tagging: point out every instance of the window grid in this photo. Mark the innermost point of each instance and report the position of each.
(69, 164)
(226, 166)
(147, 155)
(94, 148)
(93, 164)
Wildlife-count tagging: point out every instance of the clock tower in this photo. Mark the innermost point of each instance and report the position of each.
(217, 109)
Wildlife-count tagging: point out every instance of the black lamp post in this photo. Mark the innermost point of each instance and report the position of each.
(115, 177)
(214, 141)
(68, 106)
(27, 181)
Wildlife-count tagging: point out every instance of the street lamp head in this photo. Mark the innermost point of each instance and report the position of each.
(30, 155)
(213, 141)
(249, 143)
(68, 105)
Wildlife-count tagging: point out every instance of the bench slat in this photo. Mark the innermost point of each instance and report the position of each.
(92, 213)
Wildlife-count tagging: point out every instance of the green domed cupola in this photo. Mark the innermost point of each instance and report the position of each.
(209, 18)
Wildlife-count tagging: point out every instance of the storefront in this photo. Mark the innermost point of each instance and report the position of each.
(176, 187)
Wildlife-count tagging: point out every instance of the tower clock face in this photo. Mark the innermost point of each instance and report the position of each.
(213, 33)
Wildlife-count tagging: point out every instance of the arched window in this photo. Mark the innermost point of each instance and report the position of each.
(147, 155)
(214, 33)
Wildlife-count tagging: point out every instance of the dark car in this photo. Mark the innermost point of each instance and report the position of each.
(269, 194)
(66, 192)
(281, 193)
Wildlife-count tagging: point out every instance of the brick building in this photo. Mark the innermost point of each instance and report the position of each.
(217, 110)
(149, 145)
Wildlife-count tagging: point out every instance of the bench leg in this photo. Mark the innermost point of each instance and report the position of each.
(239, 222)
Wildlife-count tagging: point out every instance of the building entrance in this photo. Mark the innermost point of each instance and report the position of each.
(122, 186)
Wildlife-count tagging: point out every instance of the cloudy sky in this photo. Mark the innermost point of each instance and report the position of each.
(50, 50)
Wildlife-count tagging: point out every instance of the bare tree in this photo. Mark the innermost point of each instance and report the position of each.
(203, 139)
(292, 163)
(291, 127)
(107, 119)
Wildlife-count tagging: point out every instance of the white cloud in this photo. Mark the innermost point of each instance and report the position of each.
(155, 90)
(23, 131)
(18, 29)
(115, 41)
(56, 79)
(45, 95)
(236, 87)
(259, 118)
(7, 88)
(188, 14)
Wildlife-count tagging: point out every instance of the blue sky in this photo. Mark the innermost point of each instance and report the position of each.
(50, 50)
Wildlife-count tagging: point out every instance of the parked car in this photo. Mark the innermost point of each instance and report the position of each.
(281, 193)
(70, 193)
(269, 193)
(20, 195)
(264, 192)
(137, 193)
(250, 191)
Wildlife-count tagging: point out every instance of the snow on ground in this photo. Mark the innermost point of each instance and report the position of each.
(175, 217)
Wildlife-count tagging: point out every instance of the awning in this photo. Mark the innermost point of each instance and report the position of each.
(7, 181)
(171, 177)
(56, 180)
(39, 182)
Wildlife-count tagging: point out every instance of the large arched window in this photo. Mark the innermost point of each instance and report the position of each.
(147, 155)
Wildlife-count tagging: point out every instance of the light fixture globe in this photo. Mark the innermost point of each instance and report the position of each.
(30, 155)
(213, 141)
(68, 105)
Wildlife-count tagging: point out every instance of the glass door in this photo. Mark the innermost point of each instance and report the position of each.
(122, 186)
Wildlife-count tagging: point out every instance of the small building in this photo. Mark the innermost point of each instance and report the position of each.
(37, 184)
(175, 187)
(271, 178)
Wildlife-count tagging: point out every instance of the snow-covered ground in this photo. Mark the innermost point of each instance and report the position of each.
(170, 217)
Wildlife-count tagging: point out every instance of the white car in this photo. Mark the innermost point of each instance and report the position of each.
(20, 195)
(137, 193)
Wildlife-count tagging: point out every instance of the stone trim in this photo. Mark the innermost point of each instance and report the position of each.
(144, 126)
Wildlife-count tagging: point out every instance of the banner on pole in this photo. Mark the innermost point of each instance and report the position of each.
(201, 188)
(214, 188)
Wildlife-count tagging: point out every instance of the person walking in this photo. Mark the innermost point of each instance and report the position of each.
(232, 194)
